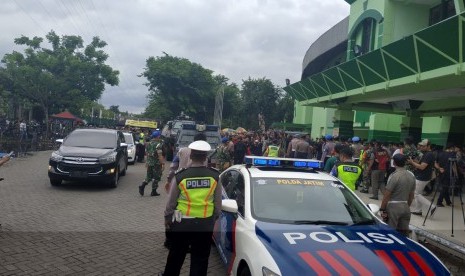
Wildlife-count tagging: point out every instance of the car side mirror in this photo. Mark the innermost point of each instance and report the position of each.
(374, 208)
(123, 145)
(229, 205)
(59, 141)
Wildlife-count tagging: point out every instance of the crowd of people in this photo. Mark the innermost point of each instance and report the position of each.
(417, 168)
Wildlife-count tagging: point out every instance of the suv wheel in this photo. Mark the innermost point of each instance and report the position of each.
(55, 182)
(123, 173)
(114, 181)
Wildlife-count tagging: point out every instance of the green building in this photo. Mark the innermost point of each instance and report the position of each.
(391, 69)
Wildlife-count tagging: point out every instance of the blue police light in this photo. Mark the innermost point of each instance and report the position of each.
(260, 161)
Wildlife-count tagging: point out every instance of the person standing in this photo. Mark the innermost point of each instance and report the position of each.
(256, 148)
(155, 164)
(346, 169)
(273, 150)
(193, 206)
(444, 164)
(378, 170)
(327, 148)
(303, 149)
(398, 196)
(240, 150)
(140, 148)
(423, 171)
(222, 155)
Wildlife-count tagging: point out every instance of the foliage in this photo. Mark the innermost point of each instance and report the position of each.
(177, 84)
(259, 96)
(65, 76)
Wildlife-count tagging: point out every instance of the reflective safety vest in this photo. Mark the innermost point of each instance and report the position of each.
(141, 138)
(273, 151)
(196, 196)
(348, 173)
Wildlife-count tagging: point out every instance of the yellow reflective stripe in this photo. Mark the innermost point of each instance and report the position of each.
(206, 198)
(183, 186)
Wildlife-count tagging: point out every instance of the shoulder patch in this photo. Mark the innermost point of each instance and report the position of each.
(214, 169)
(180, 170)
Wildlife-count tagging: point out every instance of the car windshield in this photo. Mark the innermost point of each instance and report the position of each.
(305, 201)
(188, 137)
(91, 139)
(128, 138)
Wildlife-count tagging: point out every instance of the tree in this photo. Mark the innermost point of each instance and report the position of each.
(65, 76)
(259, 96)
(177, 84)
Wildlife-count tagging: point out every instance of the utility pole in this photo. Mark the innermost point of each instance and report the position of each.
(218, 115)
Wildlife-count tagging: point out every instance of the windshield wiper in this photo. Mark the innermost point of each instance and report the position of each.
(318, 222)
(364, 222)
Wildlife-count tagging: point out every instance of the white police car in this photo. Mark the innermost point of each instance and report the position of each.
(280, 217)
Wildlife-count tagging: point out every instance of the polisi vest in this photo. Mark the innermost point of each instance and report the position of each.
(273, 151)
(141, 138)
(197, 190)
(349, 173)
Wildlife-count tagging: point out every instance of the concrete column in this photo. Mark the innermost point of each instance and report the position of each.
(343, 123)
(411, 126)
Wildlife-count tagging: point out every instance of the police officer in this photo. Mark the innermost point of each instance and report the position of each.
(193, 205)
(398, 196)
(155, 164)
(141, 147)
(346, 169)
(272, 150)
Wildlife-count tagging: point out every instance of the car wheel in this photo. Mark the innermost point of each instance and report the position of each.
(55, 182)
(123, 173)
(245, 271)
(114, 181)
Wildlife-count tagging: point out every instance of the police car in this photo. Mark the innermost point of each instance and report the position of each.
(282, 216)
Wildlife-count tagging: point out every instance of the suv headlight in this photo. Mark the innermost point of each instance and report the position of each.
(56, 157)
(110, 158)
(131, 149)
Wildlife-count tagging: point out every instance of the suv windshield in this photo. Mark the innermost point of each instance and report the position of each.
(91, 139)
(128, 138)
(305, 201)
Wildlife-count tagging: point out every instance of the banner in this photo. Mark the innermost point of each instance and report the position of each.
(135, 123)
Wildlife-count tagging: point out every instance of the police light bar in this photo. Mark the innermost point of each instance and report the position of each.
(260, 161)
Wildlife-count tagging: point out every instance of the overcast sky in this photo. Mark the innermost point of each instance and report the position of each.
(235, 38)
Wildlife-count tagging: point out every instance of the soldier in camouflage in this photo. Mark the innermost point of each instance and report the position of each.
(223, 155)
(155, 163)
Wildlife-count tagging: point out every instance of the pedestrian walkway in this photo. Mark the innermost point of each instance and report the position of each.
(437, 229)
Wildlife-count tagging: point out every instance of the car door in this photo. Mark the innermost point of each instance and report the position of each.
(122, 151)
(233, 188)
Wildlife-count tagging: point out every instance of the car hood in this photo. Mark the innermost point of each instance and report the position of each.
(83, 151)
(331, 250)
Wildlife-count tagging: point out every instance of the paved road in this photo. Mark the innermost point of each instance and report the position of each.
(80, 229)
(84, 229)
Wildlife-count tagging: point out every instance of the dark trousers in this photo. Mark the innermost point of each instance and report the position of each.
(444, 187)
(196, 233)
(140, 152)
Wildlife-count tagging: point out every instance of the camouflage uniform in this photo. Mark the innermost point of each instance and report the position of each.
(154, 166)
(223, 157)
(365, 157)
(410, 151)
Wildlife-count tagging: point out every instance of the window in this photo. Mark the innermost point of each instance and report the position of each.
(233, 185)
(442, 11)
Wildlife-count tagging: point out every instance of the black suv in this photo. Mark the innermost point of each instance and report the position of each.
(90, 154)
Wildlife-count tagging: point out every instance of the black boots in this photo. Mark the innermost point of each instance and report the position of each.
(142, 188)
